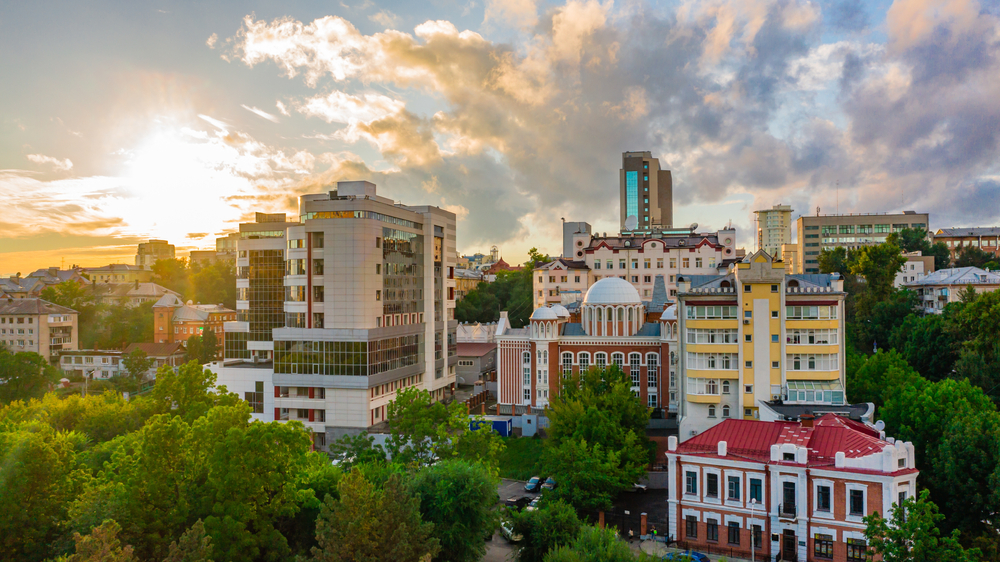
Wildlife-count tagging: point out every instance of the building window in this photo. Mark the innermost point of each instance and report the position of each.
(712, 530)
(774, 288)
(857, 550)
(749, 364)
(756, 489)
(691, 482)
(733, 488)
(823, 546)
(691, 527)
(725, 387)
(567, 363)
(725, 411)
(734, 533)
(712, 485)
(757, 537)
(774, 338)
(857, 502)
(711, 411)
(823, 498)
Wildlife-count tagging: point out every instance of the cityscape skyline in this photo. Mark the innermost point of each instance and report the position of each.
(179, 123)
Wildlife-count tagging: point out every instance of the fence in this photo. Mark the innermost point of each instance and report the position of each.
(728, 552)
(478, 400)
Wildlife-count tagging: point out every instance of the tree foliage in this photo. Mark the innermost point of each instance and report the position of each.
(102, 545)
(24, 375)
(911, 534)
(137, 364)
(552, 525)
(594, 545)
(511, 292)
(972, 256)
(878, 266)
(457, 498)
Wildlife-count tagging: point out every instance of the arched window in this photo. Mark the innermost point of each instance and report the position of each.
(726, 362)
(634, 363)
(630, 314)
(711, 411)
(793, 283)
(619, 360)
(601, 359)
(725, 284)
(725, 411)
(711, 386)
(600, 315)
(584, 359)
(526, 357)
(621, 314)
(567, 363)
(711, 361)
(725, 387)
(652, 369)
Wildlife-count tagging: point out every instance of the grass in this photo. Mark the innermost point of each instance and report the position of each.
(520, 459)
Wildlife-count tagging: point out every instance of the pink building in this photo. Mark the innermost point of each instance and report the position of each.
(798, 491)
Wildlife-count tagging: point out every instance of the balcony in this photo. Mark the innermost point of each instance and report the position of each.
(786, 511)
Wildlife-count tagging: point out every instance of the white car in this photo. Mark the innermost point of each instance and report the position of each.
(507, 530)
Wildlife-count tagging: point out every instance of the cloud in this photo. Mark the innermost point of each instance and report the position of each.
(386, 18)
(340, 107)
(59, 165)
(516, 13)
(282, 109)
(261, 113)
(212, 39)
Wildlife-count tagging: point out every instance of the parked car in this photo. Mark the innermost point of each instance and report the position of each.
(689, 556)
(534, 504)
(518, 502)
(641, 488)
(533, 485)
(507, 530)
(549, 484)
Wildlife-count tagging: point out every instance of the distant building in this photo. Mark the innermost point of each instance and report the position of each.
(203, 257)
(645, 192)
(476, 333)
(99, 364)
(938, 289)
(32, 286)
(774, 229)
(226, 245)
(176, 321)
(916, 267)
(36, 325)
(986, 239)
(466, 280)
(162, 354)
(820, 232)
(790, 255)
(569, 230)
(118, 273)
(785, 490)
(500, 265)
(153, 250)
(130, 294)
(476, 362)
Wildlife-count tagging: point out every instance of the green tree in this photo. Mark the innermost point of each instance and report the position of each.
(25, 374)
(372, 524)
(209, 345)
(194, 350)
(137, 364)
(911, 535)
(190, 391)
(102, 545)
(978, 322)
(352, 450)
(878, 266)
(927, 344)
(594, 545)
(980, 372)
(942, 255)
(910, 239)
(552, 525)
(213, 283)
(70, 294)
(972, 256)
(965, 470)
(173, 274)
(457, 497)
(878, 377)
(193, 546)
(875, 327)
(120, 325)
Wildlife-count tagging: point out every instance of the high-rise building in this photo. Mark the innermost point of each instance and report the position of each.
(820, 232)
(758, 336)
(774, 228)
(153, 250)
(646, 193)
(357, 304)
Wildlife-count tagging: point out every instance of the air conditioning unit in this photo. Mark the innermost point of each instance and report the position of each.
(746, 320)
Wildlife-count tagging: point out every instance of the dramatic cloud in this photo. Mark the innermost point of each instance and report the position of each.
(261, 113)
(59, 165)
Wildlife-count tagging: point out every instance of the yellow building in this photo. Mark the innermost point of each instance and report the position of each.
(758, 335)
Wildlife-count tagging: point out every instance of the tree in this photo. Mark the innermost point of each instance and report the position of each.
(927, 345)
(594, 545)
(457, 497)
(372, 524)
(24, 375)
(597, 444)
(172, 274)
(213, 283)
(137, 364)
(190, 391)
(209, 345)
(876, 326)
(552, 525)
(836, 260)
(194, 350)
(965, 471)
(352, 450)
(972, 256)
(121, 324)
(911, 535)
(102, 545)
(878, 266)
(193, 546)
(910, 239)
(978, 322)
(980, 372)
(942, 255)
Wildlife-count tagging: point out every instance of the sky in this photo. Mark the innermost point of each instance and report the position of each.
(123, 121)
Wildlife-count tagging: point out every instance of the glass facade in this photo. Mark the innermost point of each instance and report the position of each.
(266, 294)
(371, 215)
(402, 272)
(235, 346)
(632, 194)
(347, 358)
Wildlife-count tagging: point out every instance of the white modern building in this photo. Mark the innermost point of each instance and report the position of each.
(367, 295)
(945, 285)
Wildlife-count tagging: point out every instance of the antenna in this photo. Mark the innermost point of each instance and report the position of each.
(817, 211)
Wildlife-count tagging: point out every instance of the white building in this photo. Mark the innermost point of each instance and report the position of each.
(774, 228)
(917, 266)
(944, 286)
(367, 292)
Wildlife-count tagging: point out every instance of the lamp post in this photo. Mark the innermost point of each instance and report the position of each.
(753, 503)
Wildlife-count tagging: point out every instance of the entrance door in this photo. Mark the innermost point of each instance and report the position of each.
(789, 547)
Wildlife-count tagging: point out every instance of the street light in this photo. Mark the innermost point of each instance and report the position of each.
(753, 503)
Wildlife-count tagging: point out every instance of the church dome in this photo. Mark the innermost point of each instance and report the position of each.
(610, 291)
(544, 313)
(560, 311)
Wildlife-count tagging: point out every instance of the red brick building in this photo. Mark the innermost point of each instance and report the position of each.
(798, 491)
(176, 321)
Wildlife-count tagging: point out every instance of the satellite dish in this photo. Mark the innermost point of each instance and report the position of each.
(879, 425)
(694, 226)
(631, 222)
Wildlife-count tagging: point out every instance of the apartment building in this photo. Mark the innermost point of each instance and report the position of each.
(118, 273)
(98, 364)
(367, 300)
(150, 252)
(938, 289)
(819, 232)
(917, 266)
(637, 259)
(645, 192)
(785, 490)
(38, 326)
(774, 229)
(754, 335)
(176, 321)
(128, 294)
(986, 239)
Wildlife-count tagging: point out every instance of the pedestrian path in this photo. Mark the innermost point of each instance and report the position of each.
(658, 549)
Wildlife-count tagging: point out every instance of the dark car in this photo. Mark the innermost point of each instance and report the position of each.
(533, 485)
(690, 555)
(518, 502)
(549, 484)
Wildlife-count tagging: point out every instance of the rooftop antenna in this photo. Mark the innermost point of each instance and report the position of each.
(838, 197)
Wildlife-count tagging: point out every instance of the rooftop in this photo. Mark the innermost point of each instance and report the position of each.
(974, 231)
(957, 276)
(32, 306)
(156, 349)
(474, 349)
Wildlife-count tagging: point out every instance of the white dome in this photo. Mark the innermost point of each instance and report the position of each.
(670, 313)
(544, 313)
(612, 290)
(560, 311)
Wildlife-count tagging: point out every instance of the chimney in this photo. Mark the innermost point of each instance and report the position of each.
(723, 446)
(806, 420)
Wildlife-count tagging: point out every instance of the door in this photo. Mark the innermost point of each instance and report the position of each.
(788, 499)
(789, 548)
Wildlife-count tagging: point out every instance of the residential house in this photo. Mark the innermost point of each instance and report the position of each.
(945, 285)
(36, 325)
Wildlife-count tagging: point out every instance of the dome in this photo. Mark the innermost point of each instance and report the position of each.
(669, 313)
(544, 313)
(612, 290)
(560, 311)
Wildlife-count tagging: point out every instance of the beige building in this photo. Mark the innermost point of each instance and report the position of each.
(774, 228)
(944, 286)
(917, 266)
(118, 273)
(38, 326)
(149, 252)
(819, 232)
(986, 239)
(790, 255)
(646, 193)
